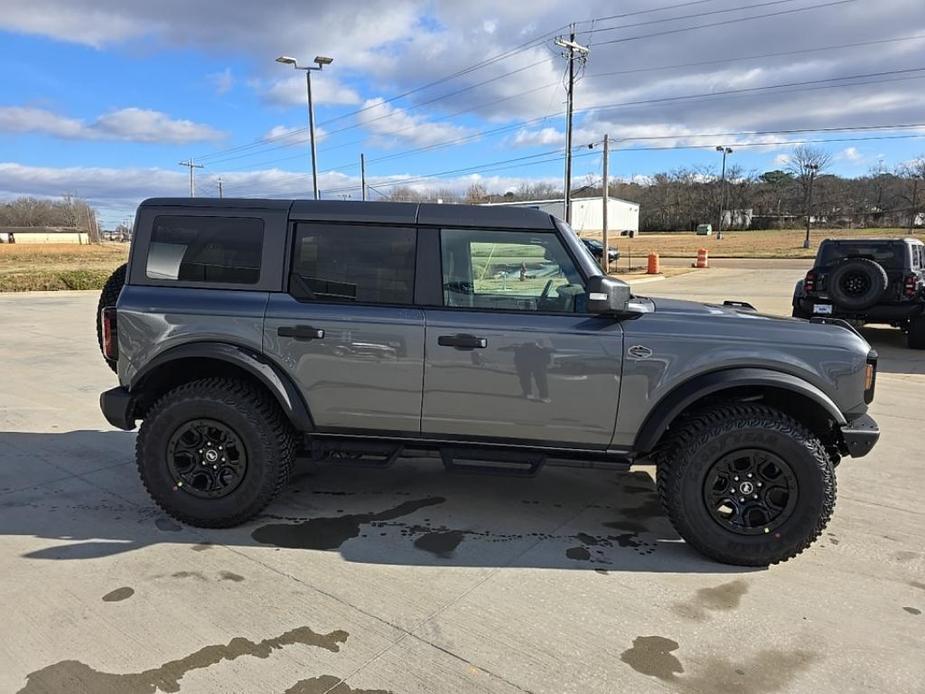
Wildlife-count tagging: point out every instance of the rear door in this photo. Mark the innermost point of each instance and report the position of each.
(347, 331)
(512, 353)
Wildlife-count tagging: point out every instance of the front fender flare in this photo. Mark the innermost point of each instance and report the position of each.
(254, 363)
(686, 394)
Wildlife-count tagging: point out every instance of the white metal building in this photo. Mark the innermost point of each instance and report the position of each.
(588, 213)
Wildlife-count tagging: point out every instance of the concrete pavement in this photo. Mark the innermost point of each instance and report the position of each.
(411, 580)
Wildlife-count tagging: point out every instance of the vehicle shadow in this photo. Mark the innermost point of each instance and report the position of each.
(895, 355)
(412, 513)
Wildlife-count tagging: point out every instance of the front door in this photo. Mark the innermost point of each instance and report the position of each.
(347, 331)
(513, 354)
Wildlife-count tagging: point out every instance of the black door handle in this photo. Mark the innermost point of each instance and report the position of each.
(462, 341)
(301, 332)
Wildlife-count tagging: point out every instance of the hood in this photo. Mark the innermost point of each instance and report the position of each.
(740, 323)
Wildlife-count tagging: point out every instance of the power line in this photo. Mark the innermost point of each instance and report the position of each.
(727, 22)
(810, 85)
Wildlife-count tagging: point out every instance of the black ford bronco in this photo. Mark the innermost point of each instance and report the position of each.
(867, 281)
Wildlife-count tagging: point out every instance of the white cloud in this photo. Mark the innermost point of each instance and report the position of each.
(290, 91)
(387, 122)
(222, 81)
(851, 154)
(294, 136)
(781, 159)
(132, 124)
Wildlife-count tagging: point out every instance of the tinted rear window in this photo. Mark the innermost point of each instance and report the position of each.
(373, 265)
(889, 255)
(221, 250)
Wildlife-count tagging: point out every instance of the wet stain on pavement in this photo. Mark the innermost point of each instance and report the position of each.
(905, 556)
(74, 677)
(119, 594)
(652, 655)
(441, 544)
(724, 597)
(329, 684)
(202, 547)
(198, 575)
(167, 525)
(917, 584)
(331, 533)
(913, 610)
(579, 553)
(765, 672)
(230, 576)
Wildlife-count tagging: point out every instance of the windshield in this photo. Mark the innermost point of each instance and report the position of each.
(889, 255)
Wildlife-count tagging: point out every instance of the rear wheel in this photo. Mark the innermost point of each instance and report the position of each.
(746, 484)
(213, 453)
(108, 297)
(916, 335)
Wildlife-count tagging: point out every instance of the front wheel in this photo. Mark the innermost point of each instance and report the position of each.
(746, 484)
(214, 452)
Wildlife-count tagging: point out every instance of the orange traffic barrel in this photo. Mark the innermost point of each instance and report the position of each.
(653, 266)
(703, 260)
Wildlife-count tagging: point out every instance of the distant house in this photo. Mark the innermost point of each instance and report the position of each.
(588, 213)
(43, 235)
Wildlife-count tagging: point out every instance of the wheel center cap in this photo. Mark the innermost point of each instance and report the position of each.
(211, 456)
(746, 488)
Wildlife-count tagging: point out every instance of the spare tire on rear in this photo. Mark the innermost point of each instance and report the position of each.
(857, 284)
(108, 297)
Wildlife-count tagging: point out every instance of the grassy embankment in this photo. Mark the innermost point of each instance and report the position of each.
(36, 267)
(774, 243)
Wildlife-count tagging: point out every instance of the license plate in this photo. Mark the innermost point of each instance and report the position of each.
(823, 309)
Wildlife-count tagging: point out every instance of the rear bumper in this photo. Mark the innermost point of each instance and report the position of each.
(118, 406)
(879, 313)
(860, 435)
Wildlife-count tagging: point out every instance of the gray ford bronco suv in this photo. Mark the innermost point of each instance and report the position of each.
(246, 333)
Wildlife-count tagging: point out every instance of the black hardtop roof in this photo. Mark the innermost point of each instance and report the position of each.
(381, 212)
(877, 239)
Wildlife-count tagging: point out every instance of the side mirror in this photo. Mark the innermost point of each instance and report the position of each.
(608, 296)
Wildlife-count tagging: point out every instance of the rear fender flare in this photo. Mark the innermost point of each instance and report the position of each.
(256, 365)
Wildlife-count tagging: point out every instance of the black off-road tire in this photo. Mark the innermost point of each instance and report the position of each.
(705, 437)
(862, 270)
(916, 335)
(255, 418)
(108, 297)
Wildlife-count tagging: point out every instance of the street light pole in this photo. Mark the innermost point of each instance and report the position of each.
(722, 201)
(812, 168)
(320, 62)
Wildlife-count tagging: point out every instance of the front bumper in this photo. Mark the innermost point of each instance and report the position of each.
(118, 407)
(860, 435)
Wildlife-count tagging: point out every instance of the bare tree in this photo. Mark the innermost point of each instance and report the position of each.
(476, 193)
(805, 164)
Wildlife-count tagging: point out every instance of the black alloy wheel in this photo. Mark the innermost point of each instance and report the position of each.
(206, 458)
(750, 491)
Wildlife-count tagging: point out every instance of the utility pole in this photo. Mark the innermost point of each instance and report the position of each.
(221, 192)
(605, 257)
(722, 200)
(192, 181)
(574, 51)
(363, 174)
(812, 168)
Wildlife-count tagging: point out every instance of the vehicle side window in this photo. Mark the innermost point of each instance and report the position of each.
(205, 249)
(362, 264)
(509, 270)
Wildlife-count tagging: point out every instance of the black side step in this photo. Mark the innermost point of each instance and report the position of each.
(492, 461)
(356, 453)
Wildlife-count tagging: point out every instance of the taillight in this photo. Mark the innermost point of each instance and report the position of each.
(110, 333)
(809, 284)
(910, 286)
(870, 377)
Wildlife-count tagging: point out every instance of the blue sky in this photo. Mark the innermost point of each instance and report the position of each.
(102, 98)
